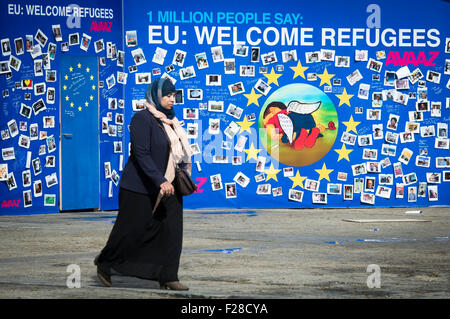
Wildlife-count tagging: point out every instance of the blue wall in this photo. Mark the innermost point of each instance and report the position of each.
(303, 28)
(18, 19)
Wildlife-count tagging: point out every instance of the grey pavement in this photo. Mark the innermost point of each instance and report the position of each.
(282, 254)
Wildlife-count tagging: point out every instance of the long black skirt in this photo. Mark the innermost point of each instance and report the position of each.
(144, 244)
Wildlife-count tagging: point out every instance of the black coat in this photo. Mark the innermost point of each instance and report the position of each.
(145, 168)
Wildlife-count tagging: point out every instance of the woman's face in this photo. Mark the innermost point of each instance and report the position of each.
(168, 101)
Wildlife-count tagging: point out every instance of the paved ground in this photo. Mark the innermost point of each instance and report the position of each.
(289, 254)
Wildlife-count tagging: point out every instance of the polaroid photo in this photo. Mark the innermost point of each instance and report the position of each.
(354, 77)
(381, 55)
(405, 156)
(50, 161)
(74, 39)
(406, 137)
(217, 54)
(214, 126)
(442, 129)
(291, 55)
(27, 198)
(386, 179)
(179, 58)
(370, 154)
(399, 190)
(359, 169)
(38, 67)
(402, 84)
(295, 195)
(260, 164)
(216, 182)
(5, 133)
(37, 168)
(65, 47)
(41, 38)
(236, 88)
(14, 63)
(415, 76)
(99, 46)
(264, 189)
(56, 30)
(240, 144)
(269, 58)
(236, 160)
(377, 99)
(159, 56)
(247, 70)
(24, 141)
(29, 42)
(334, 189)
(187, 73)
(412, 127)
(234, 111)
(37, 188)
(415, 116)
(25, 111)
(288, 172)
(8, 154)
(143, 78)
(50, 97)
(412, 194)
(4, 67)
(229, 66)
(192, 130)
(138, 105)
(435, 109)
(377, 131)
(385, 162)
(442, 162)
(348, 192)
(39, 106)
(262, 87)
(312, 185)
(110, 81)
(278, 191)
(326, 55)
(190, 113)
(373, 114)
(240, 50)
(409, 179)
(213, 80)
(403, 72)
(361, 55)
(219, 159)
(363, 91)
(230, 190)
(122, 77)
(12, 126)
(118, 147)
(348, 138)
(434, 77)
(365, 140)
(373, 167)
(195, 148)
(383, 191)
(51, 143)
(446, 176)
(3, 172)
(374, 65)
(313, 57)
(422, 191)
(115, 177)
(342, 176)
(131, 38)
(319, 198)
(138, 56)
(447, 67)
(393, 122)
(432, 193)
(367, 198)
(34, 131)
(6, 47)
(201, 60)
(254, 54)
(215, 106)
(442, 143)
(422, 106)
(50, 75)
(423, 161)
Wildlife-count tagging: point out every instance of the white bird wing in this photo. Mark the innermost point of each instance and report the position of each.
(287, 125)
(303, 108)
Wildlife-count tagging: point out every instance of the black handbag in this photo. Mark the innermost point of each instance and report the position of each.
(183, 182)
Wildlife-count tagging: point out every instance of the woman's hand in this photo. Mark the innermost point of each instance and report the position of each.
(167, 189)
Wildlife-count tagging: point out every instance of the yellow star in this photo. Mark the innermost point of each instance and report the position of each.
(252, 97)
(92, 77)
(91, 97)
(325, 77)
(343, 153)
(245, 125)
(65, 87)
(79, 65)
(298, 180)
(324, 172)
(66, 77)
(67, 98)
(93, 87)
(351, 125)
(252, 153)
(344, 98)
(271, 173)
(273, 77)
(71, 104)
(299, 70)
(71, 69)
(86, 104)
(80, 108)
(87, 70)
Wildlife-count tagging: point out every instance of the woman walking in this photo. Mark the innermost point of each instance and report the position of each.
(146, 239)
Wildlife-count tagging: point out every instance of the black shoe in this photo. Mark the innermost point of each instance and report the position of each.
(104, 277)
(173, 285)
